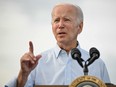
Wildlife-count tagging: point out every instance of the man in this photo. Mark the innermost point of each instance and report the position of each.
(56, 66)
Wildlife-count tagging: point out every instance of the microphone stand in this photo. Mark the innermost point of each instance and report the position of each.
(85, 68)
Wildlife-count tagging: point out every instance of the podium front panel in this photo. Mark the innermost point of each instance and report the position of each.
(64, 86)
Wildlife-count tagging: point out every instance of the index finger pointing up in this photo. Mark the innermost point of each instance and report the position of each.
(31, 47)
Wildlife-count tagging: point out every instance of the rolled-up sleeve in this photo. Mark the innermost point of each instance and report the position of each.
(12, 83)
(29, 83)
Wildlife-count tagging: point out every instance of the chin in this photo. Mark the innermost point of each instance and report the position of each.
(62, 41)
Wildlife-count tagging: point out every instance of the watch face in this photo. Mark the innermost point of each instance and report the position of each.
(87, 84)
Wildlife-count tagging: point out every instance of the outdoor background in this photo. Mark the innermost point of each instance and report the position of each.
(22, 21)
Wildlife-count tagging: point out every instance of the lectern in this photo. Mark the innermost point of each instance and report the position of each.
(65, 86)
(83, 81)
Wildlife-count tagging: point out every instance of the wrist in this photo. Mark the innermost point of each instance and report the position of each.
(22, 78)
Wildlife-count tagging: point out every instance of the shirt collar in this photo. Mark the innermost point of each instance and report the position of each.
(58, 50)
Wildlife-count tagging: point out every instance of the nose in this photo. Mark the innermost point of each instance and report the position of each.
(61, 24)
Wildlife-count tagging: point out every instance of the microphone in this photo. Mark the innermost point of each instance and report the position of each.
(94, 54)
(76, 54)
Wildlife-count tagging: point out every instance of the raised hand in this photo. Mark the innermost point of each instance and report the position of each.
(28, 63)
(28, 60)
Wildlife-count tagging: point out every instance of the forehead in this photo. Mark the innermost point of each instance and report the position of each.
(64, 10)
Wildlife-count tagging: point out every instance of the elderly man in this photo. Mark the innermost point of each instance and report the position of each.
(56, 66)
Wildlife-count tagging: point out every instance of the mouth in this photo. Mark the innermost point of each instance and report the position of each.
(61, 33)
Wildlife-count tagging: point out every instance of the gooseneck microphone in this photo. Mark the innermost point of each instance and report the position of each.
(76, 54)
(94, 54)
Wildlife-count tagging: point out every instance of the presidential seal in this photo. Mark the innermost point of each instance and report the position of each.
(87, 81)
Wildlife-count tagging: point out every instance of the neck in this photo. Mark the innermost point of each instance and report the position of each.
(68, 46)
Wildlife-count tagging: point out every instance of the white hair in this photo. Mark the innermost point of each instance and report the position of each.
(79, 12)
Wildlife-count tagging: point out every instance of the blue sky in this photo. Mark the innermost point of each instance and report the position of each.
(25, 20)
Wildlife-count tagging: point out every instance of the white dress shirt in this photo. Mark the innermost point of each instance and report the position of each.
(56, 67)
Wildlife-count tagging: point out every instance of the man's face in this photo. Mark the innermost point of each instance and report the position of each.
(64, 24)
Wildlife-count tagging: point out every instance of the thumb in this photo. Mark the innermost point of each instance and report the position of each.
(38, 56)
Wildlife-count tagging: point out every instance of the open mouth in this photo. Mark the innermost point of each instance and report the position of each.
(61, 33)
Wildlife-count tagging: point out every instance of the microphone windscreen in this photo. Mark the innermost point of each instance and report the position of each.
(94, 51)
(75, 53)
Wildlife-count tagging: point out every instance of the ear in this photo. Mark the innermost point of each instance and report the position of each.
(80, 27)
